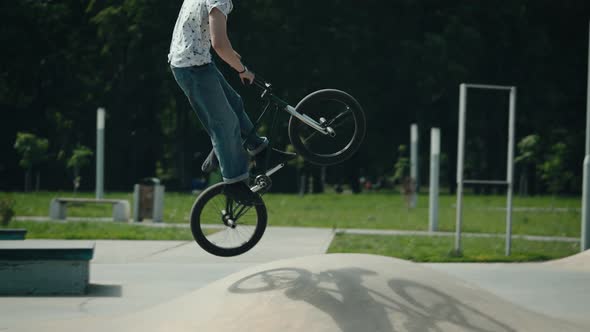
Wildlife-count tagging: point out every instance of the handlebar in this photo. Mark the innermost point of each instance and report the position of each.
(261, 83)
(267, 93)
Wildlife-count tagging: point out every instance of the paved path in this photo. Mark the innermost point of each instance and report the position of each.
(130, 276)
(328, 293)
(127, 276)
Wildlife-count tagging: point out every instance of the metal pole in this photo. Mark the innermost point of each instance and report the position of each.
(585, 234)
(460, 159)
(510, 169)
(585, 240)
(434, 179)
(588, 101)
(136, 203)
(414, 162)
(100, 123)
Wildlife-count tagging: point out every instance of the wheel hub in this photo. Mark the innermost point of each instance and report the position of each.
(228, 220)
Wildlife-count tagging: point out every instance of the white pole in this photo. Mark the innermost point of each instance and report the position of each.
(460, 159)
(585, 233)
(585, 240)
(414, 162)
(434, 179)
(510, 169)
(100, 124)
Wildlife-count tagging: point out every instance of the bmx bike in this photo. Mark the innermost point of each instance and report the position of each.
(325, 128)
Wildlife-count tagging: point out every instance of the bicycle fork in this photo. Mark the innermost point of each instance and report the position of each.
(321, 127)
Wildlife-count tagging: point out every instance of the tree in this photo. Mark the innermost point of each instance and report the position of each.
(33, 150)
(554, 170)
(402, 165)
(80, 158)
(417, 52)
(528, 157)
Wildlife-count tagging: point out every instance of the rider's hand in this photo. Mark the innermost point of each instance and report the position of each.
(247, 76)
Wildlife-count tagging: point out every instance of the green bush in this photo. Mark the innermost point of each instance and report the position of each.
(6, 210)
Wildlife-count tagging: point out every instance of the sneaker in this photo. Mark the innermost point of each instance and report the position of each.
(276, 157)
(210, 163)
(259, 148)
(241, 193)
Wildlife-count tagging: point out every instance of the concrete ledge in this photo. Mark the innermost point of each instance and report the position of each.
(13, 234)
(44, 268)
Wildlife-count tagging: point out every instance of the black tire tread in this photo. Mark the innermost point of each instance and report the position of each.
(211, 248)
(359, 116)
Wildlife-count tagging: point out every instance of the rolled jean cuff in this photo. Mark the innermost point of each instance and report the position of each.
(242, 177)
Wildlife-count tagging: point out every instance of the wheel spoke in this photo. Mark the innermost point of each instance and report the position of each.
(340, 117)
(242, 236)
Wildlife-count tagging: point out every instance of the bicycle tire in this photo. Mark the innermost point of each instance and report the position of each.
(212, 205)
(333, 105)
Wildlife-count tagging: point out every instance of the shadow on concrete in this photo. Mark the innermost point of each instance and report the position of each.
(97, 290)
(429, 306)
(93, 290)
(340, 293)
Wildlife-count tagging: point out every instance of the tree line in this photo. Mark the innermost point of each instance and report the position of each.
(402, 59)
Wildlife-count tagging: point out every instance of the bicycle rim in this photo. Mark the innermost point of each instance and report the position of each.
(223, 227)
(333, 109)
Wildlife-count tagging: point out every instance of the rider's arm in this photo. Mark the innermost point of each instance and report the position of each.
(220, 40)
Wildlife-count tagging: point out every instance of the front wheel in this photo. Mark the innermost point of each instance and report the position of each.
(223, 227)
(340, 114)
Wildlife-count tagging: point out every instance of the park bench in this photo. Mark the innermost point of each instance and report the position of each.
(13, 234)
(58, 207)
(35, 267)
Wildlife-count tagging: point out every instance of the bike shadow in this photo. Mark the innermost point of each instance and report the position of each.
(342, 294)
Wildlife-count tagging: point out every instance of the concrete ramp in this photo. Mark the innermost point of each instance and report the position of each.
(579, 261)
(338, 292)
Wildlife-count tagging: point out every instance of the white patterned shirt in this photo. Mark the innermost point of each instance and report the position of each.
(191, 39)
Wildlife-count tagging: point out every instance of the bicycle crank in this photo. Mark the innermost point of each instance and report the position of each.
(262, 183)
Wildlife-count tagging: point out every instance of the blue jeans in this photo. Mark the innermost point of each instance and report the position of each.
(221, 111)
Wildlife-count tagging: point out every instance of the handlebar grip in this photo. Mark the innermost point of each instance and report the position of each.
(261, 82)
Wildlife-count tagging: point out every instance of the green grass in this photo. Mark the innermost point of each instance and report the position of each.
(369, 210)
(100, 230)
(439, 249)
(387, 211)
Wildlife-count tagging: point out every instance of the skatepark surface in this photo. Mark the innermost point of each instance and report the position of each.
(287, 283)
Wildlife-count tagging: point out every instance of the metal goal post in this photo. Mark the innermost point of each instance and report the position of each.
(461, 158)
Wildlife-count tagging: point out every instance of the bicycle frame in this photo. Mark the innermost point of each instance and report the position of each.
(323, 127)
(278, 103)
(271, 98)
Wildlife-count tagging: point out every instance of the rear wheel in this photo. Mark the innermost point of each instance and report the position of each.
(223, 227)
(340, 114)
